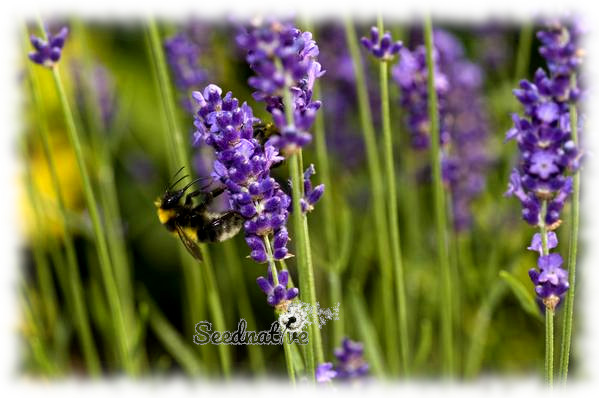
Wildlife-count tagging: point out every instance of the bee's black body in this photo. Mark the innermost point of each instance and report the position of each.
(194, 223)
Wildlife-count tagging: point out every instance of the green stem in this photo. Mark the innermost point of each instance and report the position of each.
(275, 278)
(108, 194)
(549, 312)
(178, 156)
(572, 254)
(393, 212)
(440, 217)
(337, 297)
(236, 273)
(325, 176)
(112, 293)
(302, 235)
(216, 308)
(174, 343)
(378, 195)
(42, 265)
(367, 331)
(523, 54)
(75, 287)
(549, 315)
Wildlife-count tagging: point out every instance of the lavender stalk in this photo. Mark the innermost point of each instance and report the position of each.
(100, 239)
(176, 147)
(440, 215)
(378, 192)
(572, 255)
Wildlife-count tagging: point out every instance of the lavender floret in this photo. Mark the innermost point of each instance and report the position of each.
(325, 372)
(351, 363)
(47, 53)
(277, 293)
(383, 48)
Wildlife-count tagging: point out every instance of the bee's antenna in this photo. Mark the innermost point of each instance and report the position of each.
(176, 182)
(169, 187)
(186, 187)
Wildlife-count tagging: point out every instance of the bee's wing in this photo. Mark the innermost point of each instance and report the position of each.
(191, 246)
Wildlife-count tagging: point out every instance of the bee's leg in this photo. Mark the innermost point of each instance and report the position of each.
(190, 196)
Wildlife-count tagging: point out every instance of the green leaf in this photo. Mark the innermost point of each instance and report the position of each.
(523, 295)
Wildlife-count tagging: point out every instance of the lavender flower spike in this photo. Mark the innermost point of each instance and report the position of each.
(311, 195)
(325, 372)
(543, 135)
(350, 357)
(384, 49)
(243, 165)
(47, 53)
(283, 57)
(552, 281)
(277, 295)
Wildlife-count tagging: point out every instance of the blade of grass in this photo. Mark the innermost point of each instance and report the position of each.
(170, 338)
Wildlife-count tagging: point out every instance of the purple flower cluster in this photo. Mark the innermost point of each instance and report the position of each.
(462, 118)
(350, 360)
(467, 158)
(382, 48)
(350, 363)
(277, 293)
(550, 280)
(99, 82)
(411, 74)
(325, 372)
(547, 151)
(283, 58)
(183, 57)
(243, 166)
(311, 195)
(104, 88)
(47, 53)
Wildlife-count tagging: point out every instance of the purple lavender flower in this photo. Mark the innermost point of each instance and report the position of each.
(325, 372)
(101, 84)
(311, 195)
(343, 133)
(183, 57)
(552, 281)
(411, 75)
(467, 158)
(560, 48)
(277, 294)
(537, 242)
(383, 48)
(351, 363)
(105, 94)
(547, 151)
(47, 53)
(462, 121)
(283, 58)
(243, 166)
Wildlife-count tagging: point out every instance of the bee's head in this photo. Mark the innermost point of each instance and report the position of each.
(170, 199)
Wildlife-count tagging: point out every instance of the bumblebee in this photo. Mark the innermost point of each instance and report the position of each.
(193, 223)
(263, 131)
